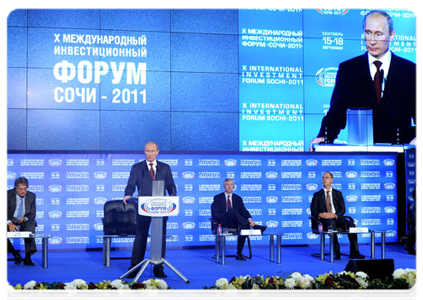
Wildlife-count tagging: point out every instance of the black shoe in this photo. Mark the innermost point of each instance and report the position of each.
(410, 250)
(337, 256)
(160, 275)
(240, 257)
(262, 228)
(28, 262)
(357, 255)
(18, 259)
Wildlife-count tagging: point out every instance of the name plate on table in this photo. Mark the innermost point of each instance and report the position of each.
(19, 234)
(358, 230)
(250, 232)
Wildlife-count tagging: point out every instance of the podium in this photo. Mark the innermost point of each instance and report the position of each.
(157, 207)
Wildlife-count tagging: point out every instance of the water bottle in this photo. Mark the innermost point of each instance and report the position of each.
(320, 227)
(219, 229)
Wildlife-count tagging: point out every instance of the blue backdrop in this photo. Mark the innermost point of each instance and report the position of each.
(192, 80)
(277, 189)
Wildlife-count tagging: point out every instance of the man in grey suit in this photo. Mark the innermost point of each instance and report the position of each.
(228, 210)
(328, 206)
(21, 214)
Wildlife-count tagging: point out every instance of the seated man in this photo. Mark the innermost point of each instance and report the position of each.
(228, 210)
(21, 213)
(328, 206)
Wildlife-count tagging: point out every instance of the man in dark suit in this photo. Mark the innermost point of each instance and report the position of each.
(328, 206)
(229, 211)
(378, 80)
(21, 214)
(141, 177)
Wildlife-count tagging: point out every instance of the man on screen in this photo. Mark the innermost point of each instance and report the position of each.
(328, 206)
(141, 177)
(21, 212)
(229, 211)
(377, 80)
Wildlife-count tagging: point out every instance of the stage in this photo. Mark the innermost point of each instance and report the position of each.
(196, 264)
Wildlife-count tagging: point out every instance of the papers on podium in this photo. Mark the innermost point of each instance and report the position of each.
(19, 234)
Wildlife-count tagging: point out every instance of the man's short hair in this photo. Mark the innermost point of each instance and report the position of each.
(21, 180)
(228, 179)
(331, 175)
(380, 13)
(157, 146)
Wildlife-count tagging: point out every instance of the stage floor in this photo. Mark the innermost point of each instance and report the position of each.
(195, 264)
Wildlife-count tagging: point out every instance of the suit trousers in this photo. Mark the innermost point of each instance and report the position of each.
(232, 219)
(30, 245)
(344, 225)
(140, 242)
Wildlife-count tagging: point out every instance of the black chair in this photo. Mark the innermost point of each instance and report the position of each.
(235, 231)
(119, 220)
(315, 229)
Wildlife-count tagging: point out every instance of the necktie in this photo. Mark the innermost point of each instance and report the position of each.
(20, 210)
(328, 205)
(229, 203)
(377, 82)
(151, 170)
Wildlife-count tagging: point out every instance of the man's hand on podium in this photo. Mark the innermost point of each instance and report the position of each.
(413, 142)
(315, 141)
(126, 198)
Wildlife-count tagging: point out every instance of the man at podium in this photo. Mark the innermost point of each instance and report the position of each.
(141, 177)
(377, 80)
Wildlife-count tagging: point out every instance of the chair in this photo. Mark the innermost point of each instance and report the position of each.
(119, 220)
(315, 229)
(235, 232)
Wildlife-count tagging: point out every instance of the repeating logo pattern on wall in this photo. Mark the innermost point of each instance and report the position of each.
(277, 190)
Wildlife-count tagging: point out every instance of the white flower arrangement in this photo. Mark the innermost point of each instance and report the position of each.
(408, 274)
(155, 284)
(119, 284)
(77, 284)
(70, 290)
(30, 285)
(299, 280)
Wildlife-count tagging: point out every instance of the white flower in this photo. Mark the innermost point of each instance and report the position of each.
(222, 283)
(255, 291)
(79, 282)
(116, 283)
(70, 290)
(362, 282)
(231, 291)
(9, 289)
(152, 291)
(124, 290)
(296, 275)
(290, 283)
(306, 281)
(362, 275)
(398, 273)
(162, 285)
(30, 285)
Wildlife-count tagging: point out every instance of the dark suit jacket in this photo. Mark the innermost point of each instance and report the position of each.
(30, 210)
(140, 178)
(354, 88)
(318, 204)
(218, 207)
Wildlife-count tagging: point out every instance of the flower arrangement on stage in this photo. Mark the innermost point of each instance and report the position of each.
(400, 279)
(79, 289)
